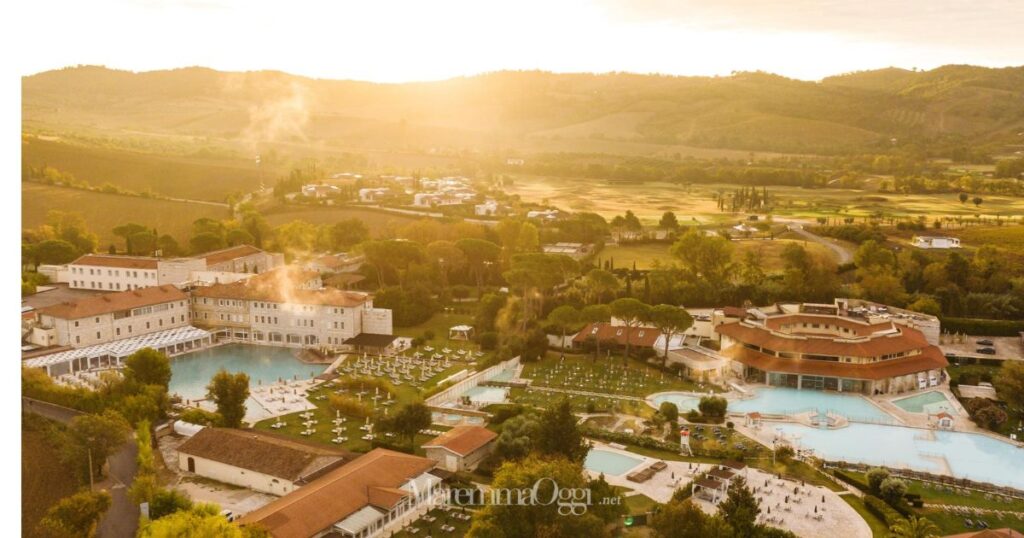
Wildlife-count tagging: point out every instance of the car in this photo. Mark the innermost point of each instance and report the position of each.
(986, 351)
(228, 514)
(985, 343)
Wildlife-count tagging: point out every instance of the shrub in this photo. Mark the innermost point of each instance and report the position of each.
(669, 410)
(881, 510)
(348, 406)
(713, 406)
(488, 341)
(200, 416)
(875, 477)
(892, 490)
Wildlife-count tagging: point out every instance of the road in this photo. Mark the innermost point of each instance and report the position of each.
(843, 254)
(122, 520)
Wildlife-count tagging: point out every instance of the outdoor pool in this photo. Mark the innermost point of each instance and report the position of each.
(609, 463)
(684, 402)
(928, 402)
(486, 395)
(191, 373)
(969, 455)
(786, 401)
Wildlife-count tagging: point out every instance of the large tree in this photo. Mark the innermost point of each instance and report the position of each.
(683, 519)
(1010, 384)
(599, 283)
(148, 366)
(705, 257)
(75, 516)
(95, 437)
(670, 321)
(408, 421)
(740, 508)
(559, 434)
(480, 256)
(518, 436)
(229, 392)
(563, 319)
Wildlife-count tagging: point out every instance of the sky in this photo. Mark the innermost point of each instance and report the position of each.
(397, 41)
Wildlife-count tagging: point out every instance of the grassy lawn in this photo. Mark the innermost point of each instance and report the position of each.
(44, 480)
(438, 324)
(639, 503)
(644, 254)
(951, 523)
(878, 527)
(380, 223)
(102, 212)
(427, 528)
(933, 494)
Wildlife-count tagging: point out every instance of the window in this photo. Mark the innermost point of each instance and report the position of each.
(98, 335)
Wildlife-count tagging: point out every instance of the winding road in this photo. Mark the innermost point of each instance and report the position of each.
(843, 254)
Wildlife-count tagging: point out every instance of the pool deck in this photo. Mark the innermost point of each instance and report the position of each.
(662, 485)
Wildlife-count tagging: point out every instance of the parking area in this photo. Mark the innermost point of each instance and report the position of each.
(1007, 348)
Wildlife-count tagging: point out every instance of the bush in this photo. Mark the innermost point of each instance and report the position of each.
(200, 416)
(713, 407)
(881, 510)
(350, 407)
(488, 341)
(983, 327)
(669, 410)
(892, 490)
(875, 476)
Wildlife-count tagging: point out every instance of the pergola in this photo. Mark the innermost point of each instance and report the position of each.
(710, 488)
(112, 354)
(460, 332)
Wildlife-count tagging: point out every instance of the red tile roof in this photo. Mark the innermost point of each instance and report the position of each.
(110, 260)
(282, 285)
(929, 359)
(905, 339)
(261, 452)
(639, 336)
(230, 253)
(463, 440)
(114, 302)
(338, 494)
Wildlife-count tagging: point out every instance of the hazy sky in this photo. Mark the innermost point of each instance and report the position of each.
(434, 39)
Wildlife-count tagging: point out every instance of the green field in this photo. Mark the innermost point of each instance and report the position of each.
(646, 254)
(102, 212)
(175, 176)
(696, 202)
(380, 223)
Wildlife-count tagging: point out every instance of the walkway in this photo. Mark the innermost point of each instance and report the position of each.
(588, 393)
(122, 519)
(843, 254)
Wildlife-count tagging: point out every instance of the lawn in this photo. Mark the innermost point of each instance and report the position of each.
(933, 494)
(950, 523)
(44, 480)
(438, 324)
(1009, 236)
(102, 212)
(643, 254)
(640, 504)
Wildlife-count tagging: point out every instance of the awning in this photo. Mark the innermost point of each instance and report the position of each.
(121, 348)
(371, 340)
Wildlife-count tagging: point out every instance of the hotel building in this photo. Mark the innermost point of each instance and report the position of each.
(846, 346)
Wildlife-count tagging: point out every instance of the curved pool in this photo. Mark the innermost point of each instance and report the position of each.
(191, 373)
(684, 402)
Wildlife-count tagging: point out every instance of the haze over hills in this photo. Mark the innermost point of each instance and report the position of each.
(747, 111)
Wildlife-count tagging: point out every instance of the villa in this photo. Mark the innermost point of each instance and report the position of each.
(320, 191)
(255, 460)
(461, 448)
(843, 347)
(341, 262)
(287, 307)
(113, 272)
(361, 499)
(374, 194)
(576, 251)
(924, 241)
(111, 316)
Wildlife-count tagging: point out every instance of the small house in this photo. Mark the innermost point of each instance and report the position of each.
(461, 448)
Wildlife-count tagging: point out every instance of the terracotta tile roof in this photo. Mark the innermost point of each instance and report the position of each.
(905, 339)
(710, 484)
(230, 253)
(722, 474)
(929, 359)
(282, 286)
(639, 336)
(338, 494)
(859, 328)
(462, 440)
(261, 452)
(735, 465)
(385, 498)
(110, 260)
(114, 302)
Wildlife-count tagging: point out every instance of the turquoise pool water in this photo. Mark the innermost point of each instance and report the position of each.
(486, 395)
(969, 455)
(926, 402)
(684, 402)
(784, 401)
(505, 375)
(610, 463)
(192, 372)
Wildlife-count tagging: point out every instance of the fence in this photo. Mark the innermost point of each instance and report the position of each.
(453, 392)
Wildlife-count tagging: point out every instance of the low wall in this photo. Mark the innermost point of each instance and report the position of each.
(453, 392)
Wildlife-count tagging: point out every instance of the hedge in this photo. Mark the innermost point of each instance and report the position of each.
(881, 510)
(851, 480)
(982, 327)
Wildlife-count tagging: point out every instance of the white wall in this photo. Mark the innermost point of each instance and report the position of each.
(228, 474)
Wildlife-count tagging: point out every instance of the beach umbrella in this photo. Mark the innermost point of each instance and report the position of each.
(769, 509)
(815, 509)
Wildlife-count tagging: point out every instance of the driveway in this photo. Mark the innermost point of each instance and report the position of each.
(843, 254)
(122, 520)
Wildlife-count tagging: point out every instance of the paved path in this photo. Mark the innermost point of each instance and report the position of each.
(587, 393)
(843, 254)
(122, 520)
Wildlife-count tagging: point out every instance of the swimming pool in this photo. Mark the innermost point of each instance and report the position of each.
(191, 373)
(486, 395)
(609, 463)
(969, 455)
(786, 401)
(684, 402)
(927, 402)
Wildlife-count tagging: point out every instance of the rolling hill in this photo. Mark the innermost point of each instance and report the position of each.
(746, 111)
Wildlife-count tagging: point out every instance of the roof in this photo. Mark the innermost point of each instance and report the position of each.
(722, 474)
(710, 484)
(902, 339)
(230, 253)
(118, 348)
(735, 465)
(371, 340)
(113, 260)
(989, 533)
(114, 302)
(929, 359)
(283, 285)
(338, 494)
(604, 331)
(462, 440)
(261, 452)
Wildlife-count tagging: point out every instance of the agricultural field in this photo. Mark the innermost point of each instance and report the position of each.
(645, 255)
(102, 212)
(380, 223)
(697, 203)
(175, 176)
(44, 479)
(1010, 236)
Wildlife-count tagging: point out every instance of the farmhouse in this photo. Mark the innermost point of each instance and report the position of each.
(576, 251)
(258, 461)
(487, 209)
(341, 262)
(320, 191)
(111, 316)
(923, 241)
(832, 347)
(613, 337)
(461, 448)
(374, 194)
(362, 498)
